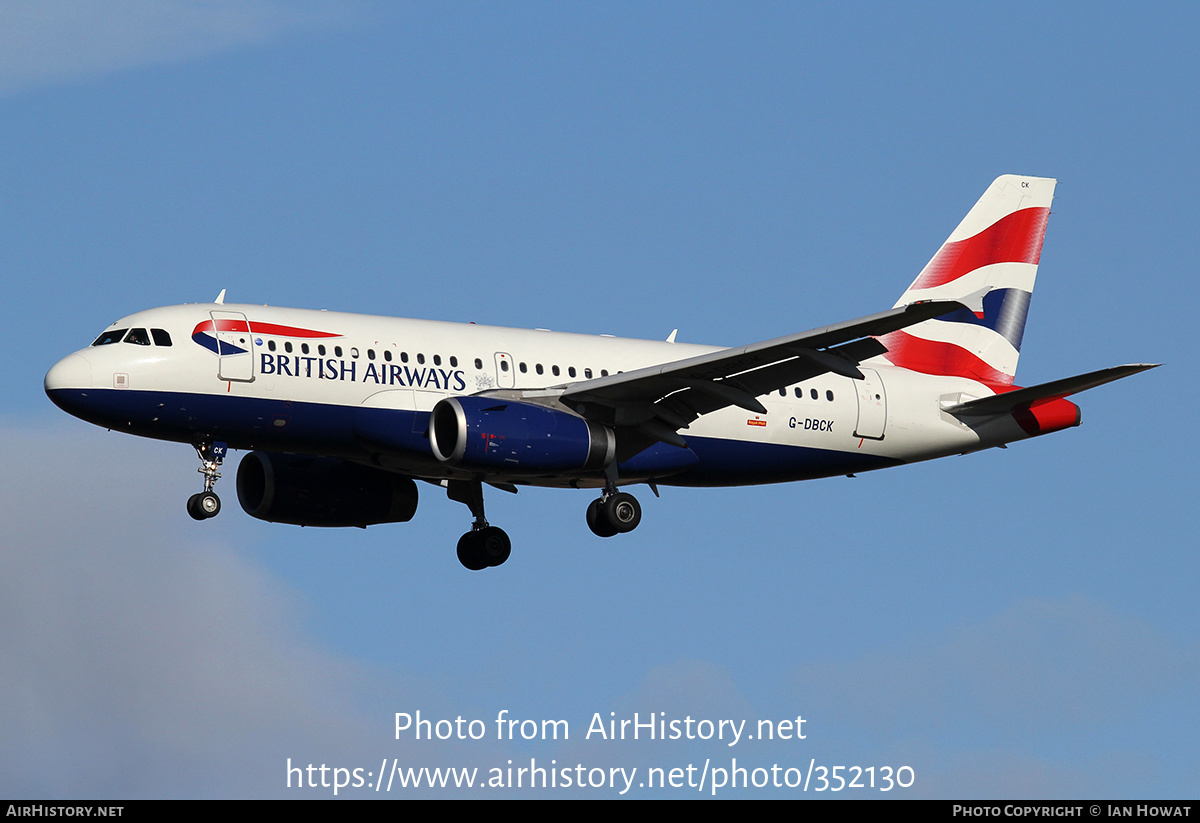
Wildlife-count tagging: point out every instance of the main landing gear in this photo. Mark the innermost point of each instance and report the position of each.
(613, 512)
(206, 504)
(483, 545)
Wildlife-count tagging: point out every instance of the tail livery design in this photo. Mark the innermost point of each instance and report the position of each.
(988, 264)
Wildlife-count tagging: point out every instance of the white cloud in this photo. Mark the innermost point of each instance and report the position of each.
(688, 686)
(56, 40)
(134, 662)
(142, 655)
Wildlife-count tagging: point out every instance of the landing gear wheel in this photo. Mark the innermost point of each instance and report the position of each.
(494, 545)
(469, 553)
(206, 504)
(479, 549)
(203, 505)
(622, 512)
(483, 545)
(596, 520)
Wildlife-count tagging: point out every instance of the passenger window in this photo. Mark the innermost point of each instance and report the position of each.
(570, 371)
(271, 345)
(287, 346)
(829, 395)
(453, 362)
(587, 373)
(503, 365)
(799, 394)
(813, 393)
(337, 350)
(421, 359)
(138, 337)
(523, 368)
(321, 350)
(110, 337)
(387, 355)
(370, 354)
(304, 348)
(479, 364)
(437, 360)
(161, 338)
(403, 357)
(538, 368)
(554, 370)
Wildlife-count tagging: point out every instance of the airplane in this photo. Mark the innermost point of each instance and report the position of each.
(342, 413)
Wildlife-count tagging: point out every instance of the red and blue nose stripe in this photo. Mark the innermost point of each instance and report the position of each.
(205, 333)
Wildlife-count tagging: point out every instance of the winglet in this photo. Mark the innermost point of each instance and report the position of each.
(671, 336)
(220, 297)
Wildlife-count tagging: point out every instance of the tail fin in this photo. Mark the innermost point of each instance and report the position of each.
(988, 264)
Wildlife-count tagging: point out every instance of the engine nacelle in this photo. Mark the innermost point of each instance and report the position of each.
(322, 491)
(521, 438)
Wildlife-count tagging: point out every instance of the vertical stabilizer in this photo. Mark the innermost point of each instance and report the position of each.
(989, 264)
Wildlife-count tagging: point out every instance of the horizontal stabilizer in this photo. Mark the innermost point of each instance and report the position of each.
(1007, 401)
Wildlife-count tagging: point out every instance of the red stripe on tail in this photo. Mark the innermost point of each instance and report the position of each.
(1014, 238)
(934, 357)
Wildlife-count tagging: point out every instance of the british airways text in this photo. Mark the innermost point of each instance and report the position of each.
(385, 374)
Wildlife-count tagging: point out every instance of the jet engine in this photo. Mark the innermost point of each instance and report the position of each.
(521, 438)
(322, 491)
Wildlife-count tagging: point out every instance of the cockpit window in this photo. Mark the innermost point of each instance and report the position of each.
(113, 336)
(161, 338)
(138, 337)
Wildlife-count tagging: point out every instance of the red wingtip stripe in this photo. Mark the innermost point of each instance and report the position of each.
(1014, 238)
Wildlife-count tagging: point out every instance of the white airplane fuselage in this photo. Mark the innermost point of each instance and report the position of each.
(342, 412)
(372, 402)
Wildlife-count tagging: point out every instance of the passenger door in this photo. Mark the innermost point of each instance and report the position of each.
(235, 346)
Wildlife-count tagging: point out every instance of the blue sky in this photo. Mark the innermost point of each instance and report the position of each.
(1012, 623)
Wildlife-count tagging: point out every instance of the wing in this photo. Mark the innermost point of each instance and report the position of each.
(652, 404)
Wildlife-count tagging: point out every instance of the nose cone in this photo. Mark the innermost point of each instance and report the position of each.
(72, 372)
(66, 379)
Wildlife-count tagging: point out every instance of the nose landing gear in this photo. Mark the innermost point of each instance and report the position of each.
(203, 505)
(206, 504)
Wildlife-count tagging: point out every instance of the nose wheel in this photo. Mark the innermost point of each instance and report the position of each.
(206, 504)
